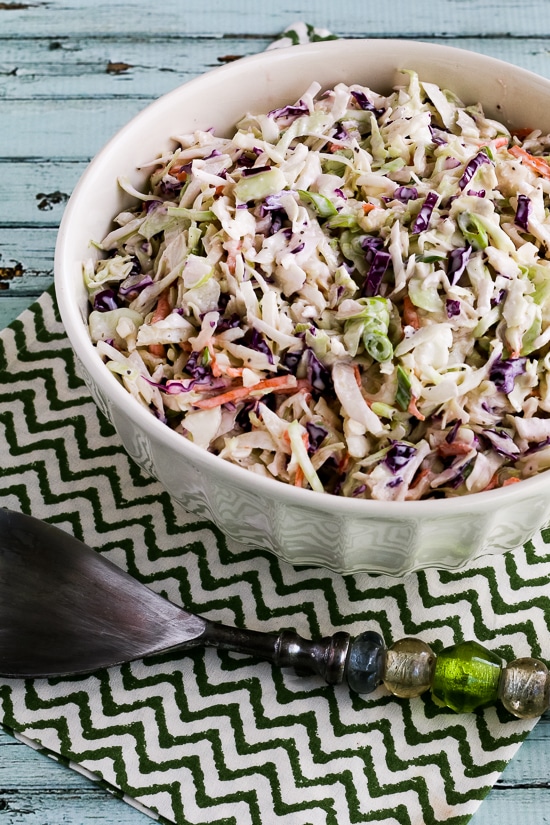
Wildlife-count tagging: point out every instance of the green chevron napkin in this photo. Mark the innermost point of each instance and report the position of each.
(215, 737)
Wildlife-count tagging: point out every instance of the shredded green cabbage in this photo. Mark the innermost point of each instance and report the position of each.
(350, 294)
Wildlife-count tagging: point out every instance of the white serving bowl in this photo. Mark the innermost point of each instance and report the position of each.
(303, 527)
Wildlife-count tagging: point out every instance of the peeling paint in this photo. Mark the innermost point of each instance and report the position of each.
(46, 202)
(117, 68)
(16, 6)
(229, 58)
(8, 273)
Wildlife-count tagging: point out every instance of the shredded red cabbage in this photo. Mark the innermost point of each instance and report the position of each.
(105, 300)
(256, 341)
(399, 455)
(134, 284)
(422, 220)
(523, 211)
(457, 260)
(317, 435)
(294, 110)
(317, 374)
(437, 136)
(452, 307)
(502, 443)
(379, 264)
(366, 104)
(472, 168)
(503, 373)
(255, 170)
(405, 193)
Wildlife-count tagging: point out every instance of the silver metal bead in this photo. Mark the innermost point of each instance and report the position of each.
(524, 688)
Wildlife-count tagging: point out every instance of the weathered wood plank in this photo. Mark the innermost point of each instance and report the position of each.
(35, 790)
(216, 18)
(38, 194)
(28, 252)
(84, 67)
(61, 129)
(102, 67)
(524, 784)
(26, 269)
(498, 807)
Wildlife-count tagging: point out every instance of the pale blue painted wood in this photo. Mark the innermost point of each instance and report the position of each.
(61, 97)
(36, 790)
(217, 18)
(83, 68)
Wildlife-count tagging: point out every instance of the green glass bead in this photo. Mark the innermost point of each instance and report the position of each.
(524, 688)
(409, 668)
(466, 677)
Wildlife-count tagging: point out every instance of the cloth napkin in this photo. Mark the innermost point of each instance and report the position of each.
(217, 737)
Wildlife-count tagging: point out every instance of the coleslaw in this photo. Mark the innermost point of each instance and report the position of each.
(351, 293)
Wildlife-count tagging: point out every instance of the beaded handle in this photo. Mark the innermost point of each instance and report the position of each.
(463, 677)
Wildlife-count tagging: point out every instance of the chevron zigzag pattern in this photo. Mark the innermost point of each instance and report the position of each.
(216, 737)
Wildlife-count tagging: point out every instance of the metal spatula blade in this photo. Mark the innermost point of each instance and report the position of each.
(65, 609)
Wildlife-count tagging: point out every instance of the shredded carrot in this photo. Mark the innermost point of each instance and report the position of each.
(368, 207)
(537, 164)
(522, 133)
(218, 369)
(281, 383)
(410, 315)
(511, 480)
(492, 484)
(419, 478)
(299, 477)
(454, 448)
(498, 143)
(162, 310)
(335, 147)
(232, 372)
(179, 173)
(157, 350)
(357, 376)
(343, 465)
(215, 368)
(213, 364)
(413, 410)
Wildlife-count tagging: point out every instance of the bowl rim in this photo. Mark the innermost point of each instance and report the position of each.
(145, 420)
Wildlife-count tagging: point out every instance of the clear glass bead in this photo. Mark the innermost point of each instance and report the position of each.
(409, 670)
(524, 688)
(366, 662)
(466, 677)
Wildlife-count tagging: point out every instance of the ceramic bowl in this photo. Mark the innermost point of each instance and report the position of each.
(302, 527)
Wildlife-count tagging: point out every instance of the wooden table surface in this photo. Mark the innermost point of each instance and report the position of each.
(71, 73)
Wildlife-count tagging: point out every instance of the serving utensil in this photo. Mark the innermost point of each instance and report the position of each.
(65, 609)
